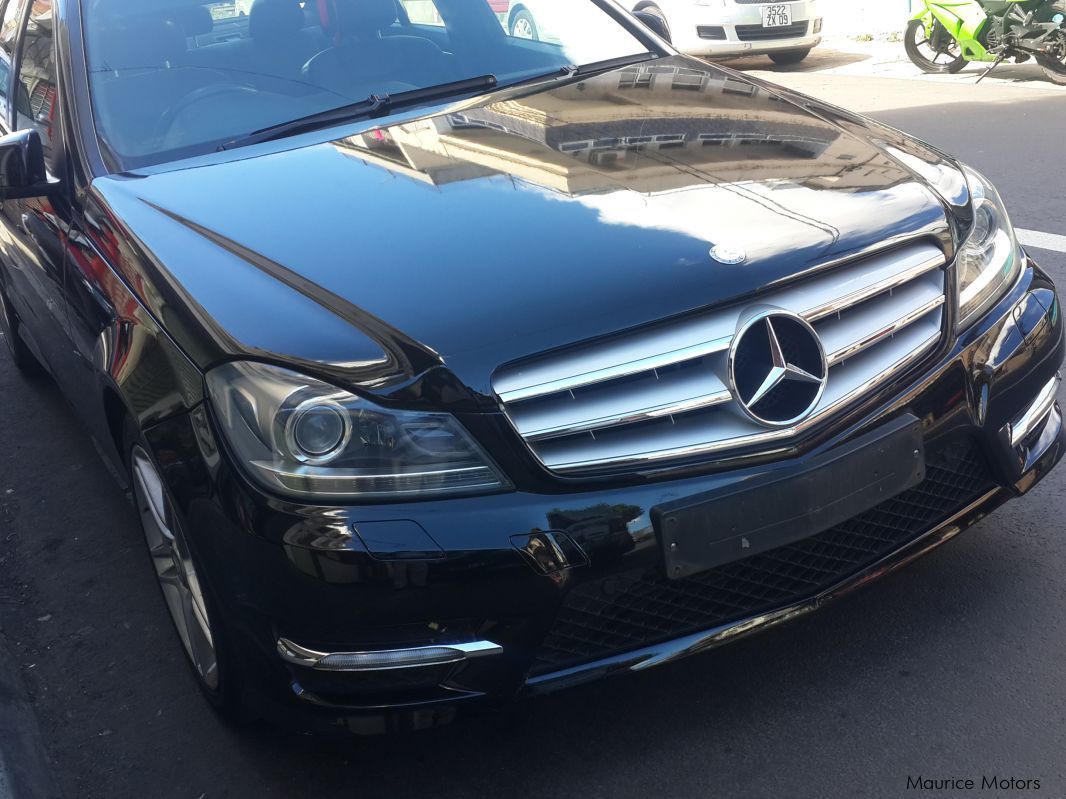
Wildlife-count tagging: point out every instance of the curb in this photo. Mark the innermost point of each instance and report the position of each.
(25, 772)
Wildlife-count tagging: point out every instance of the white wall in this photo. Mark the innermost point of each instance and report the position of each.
(856, 17)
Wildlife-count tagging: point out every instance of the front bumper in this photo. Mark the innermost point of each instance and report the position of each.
(740, 31)
(553, 589)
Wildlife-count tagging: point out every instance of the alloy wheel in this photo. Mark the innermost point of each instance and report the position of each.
(175, 570)
(9, 331)
(933, 49)
(523, 29)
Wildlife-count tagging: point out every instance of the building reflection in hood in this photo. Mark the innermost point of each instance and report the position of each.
(630, 143)
(707, 128)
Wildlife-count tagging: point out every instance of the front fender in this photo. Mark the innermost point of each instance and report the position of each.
(963, 19)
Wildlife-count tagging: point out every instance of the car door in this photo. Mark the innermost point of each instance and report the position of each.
(33, 230)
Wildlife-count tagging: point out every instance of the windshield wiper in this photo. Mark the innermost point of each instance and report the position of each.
(376, 105)
(574, 71)
(612, 63)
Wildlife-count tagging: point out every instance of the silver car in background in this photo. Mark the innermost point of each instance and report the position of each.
(786, 32)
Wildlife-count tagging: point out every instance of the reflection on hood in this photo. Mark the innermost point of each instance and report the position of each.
(627, 144)
(530, 220)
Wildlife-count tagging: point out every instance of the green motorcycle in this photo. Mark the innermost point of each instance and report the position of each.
(946, 34)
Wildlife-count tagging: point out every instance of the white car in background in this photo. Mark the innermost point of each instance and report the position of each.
(786, 32)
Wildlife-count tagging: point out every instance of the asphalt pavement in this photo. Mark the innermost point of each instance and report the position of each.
(950, 668)
(884, 59)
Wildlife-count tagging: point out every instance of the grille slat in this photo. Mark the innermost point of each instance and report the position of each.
(724, 428)
(648, 398)
(626, 612)
(757, 33)
(865, 326)
(661, 392)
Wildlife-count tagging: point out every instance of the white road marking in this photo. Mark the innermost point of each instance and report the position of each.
(1042, 241)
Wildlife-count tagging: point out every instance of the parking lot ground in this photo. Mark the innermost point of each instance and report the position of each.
(951, 667)
(875, 95)
(844, 57)
(24, 769)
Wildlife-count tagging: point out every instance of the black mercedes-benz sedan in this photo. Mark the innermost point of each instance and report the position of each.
(446, 367)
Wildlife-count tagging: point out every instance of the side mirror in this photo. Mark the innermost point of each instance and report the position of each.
(22, 168)
(655, 24)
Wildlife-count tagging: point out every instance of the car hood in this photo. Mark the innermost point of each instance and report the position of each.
(519, 223)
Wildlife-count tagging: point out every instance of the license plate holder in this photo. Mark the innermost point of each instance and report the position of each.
(718, 527)
(778, 15)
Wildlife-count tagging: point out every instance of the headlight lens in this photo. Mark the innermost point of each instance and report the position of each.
(990, 259)
(309, 439)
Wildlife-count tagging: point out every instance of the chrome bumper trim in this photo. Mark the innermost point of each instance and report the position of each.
(385, 659)
(1034, 416)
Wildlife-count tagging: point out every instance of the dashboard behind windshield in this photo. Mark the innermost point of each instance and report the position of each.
(174, 78)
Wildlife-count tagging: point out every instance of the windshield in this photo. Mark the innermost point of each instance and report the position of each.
(174, 78)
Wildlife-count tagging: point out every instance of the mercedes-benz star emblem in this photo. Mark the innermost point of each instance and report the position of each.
(777, 368)
(725, 254)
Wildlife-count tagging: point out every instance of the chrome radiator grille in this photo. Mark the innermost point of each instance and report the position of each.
(661, 393)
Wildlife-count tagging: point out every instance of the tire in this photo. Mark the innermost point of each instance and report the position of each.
(786, 58)
(1055, 72)
(523, 26)
(941, 59)
(188, 598)
(21, 354)
(1055, 66)
(651, 8)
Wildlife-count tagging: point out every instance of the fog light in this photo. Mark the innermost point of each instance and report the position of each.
(818, 26)
(317, 431)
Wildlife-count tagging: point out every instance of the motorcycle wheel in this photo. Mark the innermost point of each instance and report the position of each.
(936, 54)
(1054, 64)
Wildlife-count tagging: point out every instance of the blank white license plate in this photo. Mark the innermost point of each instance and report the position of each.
(776, 16)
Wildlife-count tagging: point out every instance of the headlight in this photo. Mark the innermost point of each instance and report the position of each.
(306, 438)
(990, 259)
